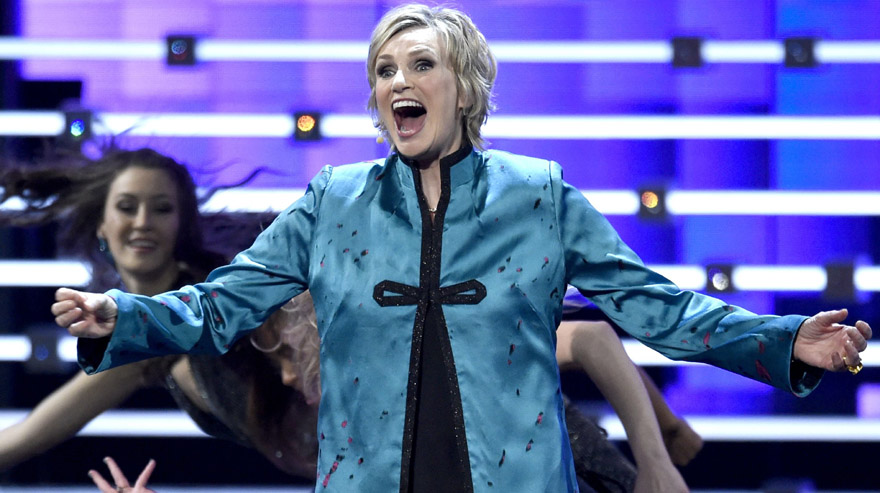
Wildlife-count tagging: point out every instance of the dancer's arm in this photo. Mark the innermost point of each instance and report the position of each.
(67, 410)
(595, 348)
(682, 442)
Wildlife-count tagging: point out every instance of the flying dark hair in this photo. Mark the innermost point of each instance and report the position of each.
(73, 191)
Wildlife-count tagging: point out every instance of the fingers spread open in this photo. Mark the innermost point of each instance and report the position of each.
(100, 482)
(118, 477)
(145, 475)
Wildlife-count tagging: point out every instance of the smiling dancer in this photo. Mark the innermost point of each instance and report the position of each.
(134, 215)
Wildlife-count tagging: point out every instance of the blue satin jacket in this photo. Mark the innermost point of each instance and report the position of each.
(510, 236)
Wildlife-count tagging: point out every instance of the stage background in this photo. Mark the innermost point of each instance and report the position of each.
(537, 89)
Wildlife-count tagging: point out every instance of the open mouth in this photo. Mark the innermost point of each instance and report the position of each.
(409, 116)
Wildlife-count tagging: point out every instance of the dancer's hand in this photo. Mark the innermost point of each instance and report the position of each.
(659, 477)
(90, 315)
(682, 442)
(122, 485)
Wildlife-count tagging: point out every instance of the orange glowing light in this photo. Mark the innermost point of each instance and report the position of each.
(305, 123)
(650, 200)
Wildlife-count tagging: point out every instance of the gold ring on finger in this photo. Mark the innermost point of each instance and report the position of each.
(855, 369)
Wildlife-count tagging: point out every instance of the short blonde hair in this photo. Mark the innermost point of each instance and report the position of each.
(469, 56)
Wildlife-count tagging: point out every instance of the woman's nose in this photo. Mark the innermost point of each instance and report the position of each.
(143, 219)
(399, 82)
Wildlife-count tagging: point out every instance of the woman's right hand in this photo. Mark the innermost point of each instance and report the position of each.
(90, 315)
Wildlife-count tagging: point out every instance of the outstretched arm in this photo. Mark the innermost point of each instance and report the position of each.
(595, 348)
(64, 412)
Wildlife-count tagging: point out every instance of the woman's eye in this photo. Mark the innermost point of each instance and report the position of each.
(424, 65)
(164, 209)
(385, 72)
(126, 208)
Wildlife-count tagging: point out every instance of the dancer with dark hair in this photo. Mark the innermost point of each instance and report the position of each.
(134, 215)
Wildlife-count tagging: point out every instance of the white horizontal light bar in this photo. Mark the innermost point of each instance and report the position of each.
(216, 50)
(779, 278)
(143, 423)
(692, 277)
(31, 123)
(347, 126)
(582, 51)
(644, 356)
(66, 349)
(15, 348)
(770, 428)
(602, 127)
(867, 278)
(208, 50)
(743, 51)
(122, 423)
(44, 273)
(772, 203)
(79, 49)
(847, 51)
(683, 127)
(611, 202)
(255, 200)
(626, 202)
(614, 202)
(277, 125)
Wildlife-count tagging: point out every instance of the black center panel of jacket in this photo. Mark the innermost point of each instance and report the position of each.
(435, 455)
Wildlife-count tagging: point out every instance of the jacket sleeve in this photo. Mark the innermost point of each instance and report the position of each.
(207, 318)
(679, 324)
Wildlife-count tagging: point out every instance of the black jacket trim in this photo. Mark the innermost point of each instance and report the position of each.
(464, 293)
(428, 293)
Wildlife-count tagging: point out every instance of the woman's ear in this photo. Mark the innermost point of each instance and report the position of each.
(464, 101)
(102, 238)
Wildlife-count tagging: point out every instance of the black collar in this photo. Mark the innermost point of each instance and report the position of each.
(448, 161)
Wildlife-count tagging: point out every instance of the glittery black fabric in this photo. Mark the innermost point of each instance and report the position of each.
(435, 454)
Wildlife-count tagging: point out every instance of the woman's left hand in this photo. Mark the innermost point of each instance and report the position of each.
(122, 485)
(822, 341)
